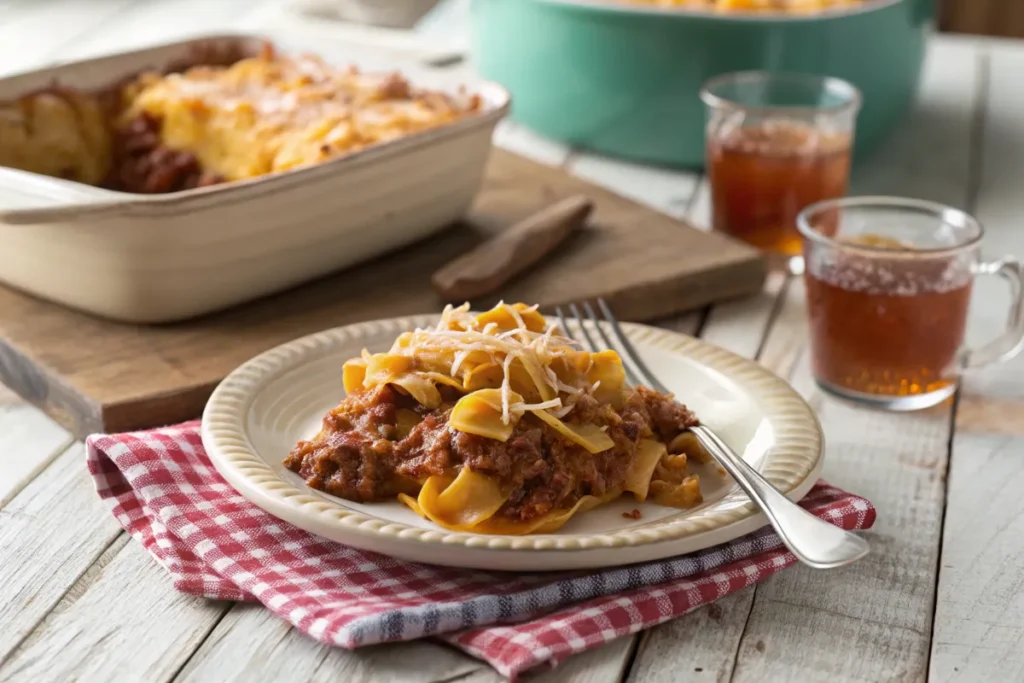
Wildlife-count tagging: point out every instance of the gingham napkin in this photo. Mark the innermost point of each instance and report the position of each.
(214, 543)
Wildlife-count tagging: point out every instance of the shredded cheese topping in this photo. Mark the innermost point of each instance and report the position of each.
(511, 349)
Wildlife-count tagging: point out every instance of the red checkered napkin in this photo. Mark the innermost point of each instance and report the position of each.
(214, 543)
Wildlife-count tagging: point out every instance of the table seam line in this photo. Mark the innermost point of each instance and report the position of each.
(40, 467)
(225, 608)
(976, 170)
(6, 657)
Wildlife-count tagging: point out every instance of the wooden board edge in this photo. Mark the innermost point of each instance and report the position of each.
(37, 384)
(679, 295)
(83, 415)
(157, 411)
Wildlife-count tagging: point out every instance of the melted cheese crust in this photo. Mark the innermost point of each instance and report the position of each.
(269, 113)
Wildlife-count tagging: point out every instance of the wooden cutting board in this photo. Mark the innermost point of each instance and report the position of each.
(93, 375)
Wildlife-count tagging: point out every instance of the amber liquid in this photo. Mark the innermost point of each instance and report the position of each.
(884, 327)
(763, 175)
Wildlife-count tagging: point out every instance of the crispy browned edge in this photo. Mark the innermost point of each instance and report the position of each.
(221, 51)
(210, 52)
(202, 53)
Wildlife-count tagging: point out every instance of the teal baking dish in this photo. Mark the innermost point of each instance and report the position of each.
(624, 79)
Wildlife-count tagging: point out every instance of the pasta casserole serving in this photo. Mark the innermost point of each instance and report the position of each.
(496, 423)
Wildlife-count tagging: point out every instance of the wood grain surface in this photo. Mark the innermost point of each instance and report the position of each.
(979, 611)
(51, 532)
(1003, 18)
(92, 375)
(918, 610)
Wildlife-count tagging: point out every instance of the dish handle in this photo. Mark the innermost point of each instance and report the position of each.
(30, 198)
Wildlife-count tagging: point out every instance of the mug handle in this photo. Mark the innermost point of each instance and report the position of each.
(1008, 344)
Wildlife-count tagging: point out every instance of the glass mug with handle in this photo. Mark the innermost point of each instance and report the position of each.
(888, 290)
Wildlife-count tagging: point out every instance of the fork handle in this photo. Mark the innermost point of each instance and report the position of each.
(814, 541)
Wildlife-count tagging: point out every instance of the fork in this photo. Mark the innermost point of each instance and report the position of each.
(815, 542)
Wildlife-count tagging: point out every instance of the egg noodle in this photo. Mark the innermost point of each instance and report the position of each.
(507, 361)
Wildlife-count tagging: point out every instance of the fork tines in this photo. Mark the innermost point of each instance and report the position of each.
(606, 329)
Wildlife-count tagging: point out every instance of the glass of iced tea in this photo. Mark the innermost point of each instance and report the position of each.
(776, 143)
(888, 288)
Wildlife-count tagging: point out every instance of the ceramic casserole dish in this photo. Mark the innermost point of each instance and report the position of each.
(624, 78)
(153, 258)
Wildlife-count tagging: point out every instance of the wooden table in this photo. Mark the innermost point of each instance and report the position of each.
(941, 597)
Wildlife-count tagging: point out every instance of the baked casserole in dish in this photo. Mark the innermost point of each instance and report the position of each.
(198, 175)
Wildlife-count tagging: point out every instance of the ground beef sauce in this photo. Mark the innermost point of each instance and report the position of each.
(141, 164)
(359, 454)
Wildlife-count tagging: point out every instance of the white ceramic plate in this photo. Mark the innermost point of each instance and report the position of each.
(263, 408)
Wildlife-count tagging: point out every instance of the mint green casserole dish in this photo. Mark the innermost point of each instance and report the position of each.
(624, 79)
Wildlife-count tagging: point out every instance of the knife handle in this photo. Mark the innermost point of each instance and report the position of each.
(484, 269)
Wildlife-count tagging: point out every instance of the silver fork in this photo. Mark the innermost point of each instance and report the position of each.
(814, 541)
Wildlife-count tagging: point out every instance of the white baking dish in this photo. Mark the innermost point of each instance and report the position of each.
(161, 258)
